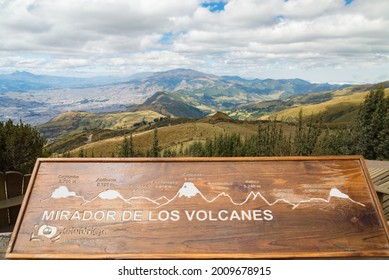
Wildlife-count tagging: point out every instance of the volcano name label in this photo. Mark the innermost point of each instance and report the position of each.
(200, 208)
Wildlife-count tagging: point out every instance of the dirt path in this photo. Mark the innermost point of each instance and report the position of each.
(4, 239)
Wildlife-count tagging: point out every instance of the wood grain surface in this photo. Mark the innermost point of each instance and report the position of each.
(292, 207)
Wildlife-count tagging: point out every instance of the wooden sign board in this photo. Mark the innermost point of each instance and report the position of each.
(200, 208)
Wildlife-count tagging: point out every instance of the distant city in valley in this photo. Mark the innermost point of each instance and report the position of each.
(36, 99)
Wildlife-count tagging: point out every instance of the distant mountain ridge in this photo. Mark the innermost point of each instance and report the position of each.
(171, 80)
(212, 92)
(38, 98)
(22, 81)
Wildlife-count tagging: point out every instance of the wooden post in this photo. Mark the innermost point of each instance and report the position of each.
(3, 212)
(14, 184)
(26, 180)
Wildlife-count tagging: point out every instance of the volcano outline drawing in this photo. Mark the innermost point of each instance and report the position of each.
(189, 190)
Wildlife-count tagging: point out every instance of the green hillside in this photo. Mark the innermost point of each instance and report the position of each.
(337, 107)
(168, 105)
(71, 123)
(103, 134)
(170, 136)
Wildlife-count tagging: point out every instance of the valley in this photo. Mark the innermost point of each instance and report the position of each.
(187, 107)
(36, 99)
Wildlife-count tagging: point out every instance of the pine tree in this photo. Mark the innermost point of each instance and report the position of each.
(154, 149)
(81, 152)
(383, 147)
(124, 148)
(307, 135)
(20, 146)
(300, 137)
(131, 152)
(370, 123)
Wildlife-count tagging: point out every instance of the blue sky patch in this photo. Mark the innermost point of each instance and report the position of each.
(214, 7)
(166, 38)
(348, 2)
(280, 17)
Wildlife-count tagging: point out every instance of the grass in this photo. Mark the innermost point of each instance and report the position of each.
(71, 123)
(342, 107)
(168, 137)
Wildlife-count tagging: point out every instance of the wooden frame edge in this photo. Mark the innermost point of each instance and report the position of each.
(161, 256)
(202, 159)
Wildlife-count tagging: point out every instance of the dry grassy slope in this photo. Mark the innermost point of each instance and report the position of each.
(107, 120)
(169, 136)
(73, 122)
(344, 104)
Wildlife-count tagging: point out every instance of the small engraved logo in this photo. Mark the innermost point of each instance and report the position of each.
(46, 232)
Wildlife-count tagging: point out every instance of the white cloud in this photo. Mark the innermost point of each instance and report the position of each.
(311, 9)
(121, 36)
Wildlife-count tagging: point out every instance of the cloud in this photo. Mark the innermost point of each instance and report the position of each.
(121, 36)
(67, 26)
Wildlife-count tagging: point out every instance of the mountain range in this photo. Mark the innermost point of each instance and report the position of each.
(22, 81)
(38, 98)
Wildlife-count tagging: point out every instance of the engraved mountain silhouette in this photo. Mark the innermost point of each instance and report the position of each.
(188, 190)
(108, 198)
(63, 193)
(161, 200)
(189, 193)
(143, 201)
(112, 197)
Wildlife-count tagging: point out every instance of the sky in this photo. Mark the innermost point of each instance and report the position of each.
(335, 41)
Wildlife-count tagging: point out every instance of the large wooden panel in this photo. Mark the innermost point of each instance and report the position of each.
(200, 208)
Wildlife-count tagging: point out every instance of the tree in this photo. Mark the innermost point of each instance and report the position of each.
(337, 142)
(124, 148)
(383, 147)
(307, 134)
(370, 123)
(81, 153)
(131, 152)
(127, 147)
(169, 153)
(20, 146)
(154, 149)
